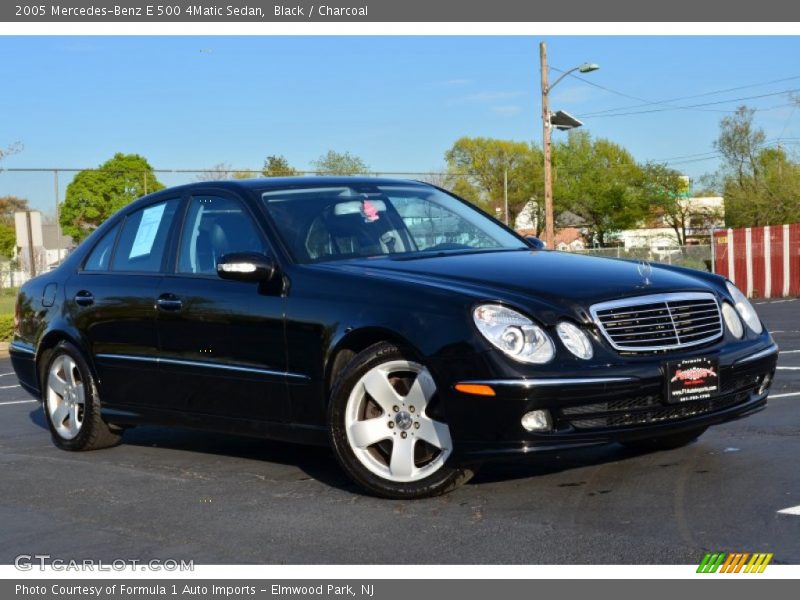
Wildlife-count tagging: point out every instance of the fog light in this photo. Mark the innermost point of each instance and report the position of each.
(765, 384)
(537, 420)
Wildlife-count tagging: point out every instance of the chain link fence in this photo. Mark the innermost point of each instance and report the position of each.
(694, 256)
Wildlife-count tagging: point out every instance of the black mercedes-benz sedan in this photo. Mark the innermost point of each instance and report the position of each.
(414, 334)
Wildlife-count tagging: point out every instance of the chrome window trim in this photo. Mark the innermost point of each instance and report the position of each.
(634, 301)
(197, 363)
(546, 382)
(773, 349)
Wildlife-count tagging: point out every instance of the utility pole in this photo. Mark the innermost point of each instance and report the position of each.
(58, 219)
(549, 228)
(505, 194)
(31, 257)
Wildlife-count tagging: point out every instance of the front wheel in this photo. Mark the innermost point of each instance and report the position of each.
(387, 426)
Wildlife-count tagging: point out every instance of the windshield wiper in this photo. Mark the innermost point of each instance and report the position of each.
(440, 253)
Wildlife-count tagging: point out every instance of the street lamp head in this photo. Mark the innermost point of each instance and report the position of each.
(588, 67)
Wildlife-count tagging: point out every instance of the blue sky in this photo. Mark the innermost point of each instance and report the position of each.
(398, 102)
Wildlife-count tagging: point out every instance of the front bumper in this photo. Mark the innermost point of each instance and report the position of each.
(615, 406)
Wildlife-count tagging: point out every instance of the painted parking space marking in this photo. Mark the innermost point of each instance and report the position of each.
(789, 395)
(17, 402)
(8, 387)
(790, 351)
(9, 373)
(779, 368)
(792, 510)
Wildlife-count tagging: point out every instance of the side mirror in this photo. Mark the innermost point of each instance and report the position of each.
(246, 266)
(535, 243)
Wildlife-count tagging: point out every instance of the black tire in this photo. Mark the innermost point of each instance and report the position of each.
(443, 480)
(665, 442)
(94, 433)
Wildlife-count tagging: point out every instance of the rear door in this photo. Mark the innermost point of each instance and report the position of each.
(112, 301)
(222, 341)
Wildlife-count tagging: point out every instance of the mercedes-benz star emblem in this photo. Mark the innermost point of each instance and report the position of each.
(645, 270)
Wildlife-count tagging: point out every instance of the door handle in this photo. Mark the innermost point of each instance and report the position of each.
(169, 302)
(84, 298)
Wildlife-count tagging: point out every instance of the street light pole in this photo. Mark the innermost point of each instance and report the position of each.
(549, 227)
(547, 131)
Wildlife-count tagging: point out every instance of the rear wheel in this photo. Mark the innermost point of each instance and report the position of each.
(71, 402)
(666, 442)
(387, 426)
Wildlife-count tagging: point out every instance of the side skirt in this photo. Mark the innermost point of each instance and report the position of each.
(284, 432)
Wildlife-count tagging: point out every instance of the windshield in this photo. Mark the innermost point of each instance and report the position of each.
(367, 220)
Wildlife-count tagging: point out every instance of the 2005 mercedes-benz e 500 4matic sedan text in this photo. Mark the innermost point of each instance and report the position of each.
(413, 333)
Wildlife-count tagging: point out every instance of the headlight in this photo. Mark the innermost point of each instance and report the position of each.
(732, 320)
(513, 333)
(575, 340)
(744, 308)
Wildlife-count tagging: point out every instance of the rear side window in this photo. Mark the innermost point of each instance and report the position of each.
(144, 237)
(100, 257)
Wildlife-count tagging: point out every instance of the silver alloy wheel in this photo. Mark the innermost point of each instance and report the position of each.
(402, 444)
(66, 397)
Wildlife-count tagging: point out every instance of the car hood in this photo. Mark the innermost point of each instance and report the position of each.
(557, 278)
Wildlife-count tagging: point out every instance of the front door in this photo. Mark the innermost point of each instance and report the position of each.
(222, 344)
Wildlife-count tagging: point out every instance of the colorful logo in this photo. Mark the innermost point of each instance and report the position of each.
(693, 374)
(736, 562)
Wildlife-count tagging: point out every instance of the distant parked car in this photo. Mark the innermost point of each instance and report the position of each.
(415, 335)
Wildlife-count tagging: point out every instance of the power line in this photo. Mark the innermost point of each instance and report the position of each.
(690, 106)
(679, 98)
(624, 95)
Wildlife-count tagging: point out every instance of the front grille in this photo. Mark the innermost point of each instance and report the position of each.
(659, 322)
(654, 414)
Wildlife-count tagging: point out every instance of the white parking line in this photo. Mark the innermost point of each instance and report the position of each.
(790, 352)
(17, 402)
(4, 374)
(790, 394)
(779, 368)
(792, 510)
(8, 387)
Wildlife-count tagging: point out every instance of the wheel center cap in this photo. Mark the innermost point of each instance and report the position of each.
(403, 420)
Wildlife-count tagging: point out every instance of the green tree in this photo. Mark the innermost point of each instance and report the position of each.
(479, 165)
(601, 182)
(10, 205)
(760, 184)
(8, 240)
(278, 166)
(96, 194)
(339, 163)
(8, 234)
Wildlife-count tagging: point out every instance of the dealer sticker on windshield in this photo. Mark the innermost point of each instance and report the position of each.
(692, 379)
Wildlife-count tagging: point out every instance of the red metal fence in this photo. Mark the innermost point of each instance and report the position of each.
(764, 262)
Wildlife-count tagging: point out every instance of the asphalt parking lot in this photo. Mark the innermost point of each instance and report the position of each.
(166, 493)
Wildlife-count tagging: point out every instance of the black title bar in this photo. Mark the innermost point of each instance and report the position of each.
(399, 10)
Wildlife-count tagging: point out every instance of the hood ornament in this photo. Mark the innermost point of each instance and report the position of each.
(645, 270)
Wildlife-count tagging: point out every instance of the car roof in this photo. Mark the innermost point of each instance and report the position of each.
(266, 183)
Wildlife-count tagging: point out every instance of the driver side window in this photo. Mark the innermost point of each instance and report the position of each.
(215, 226)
